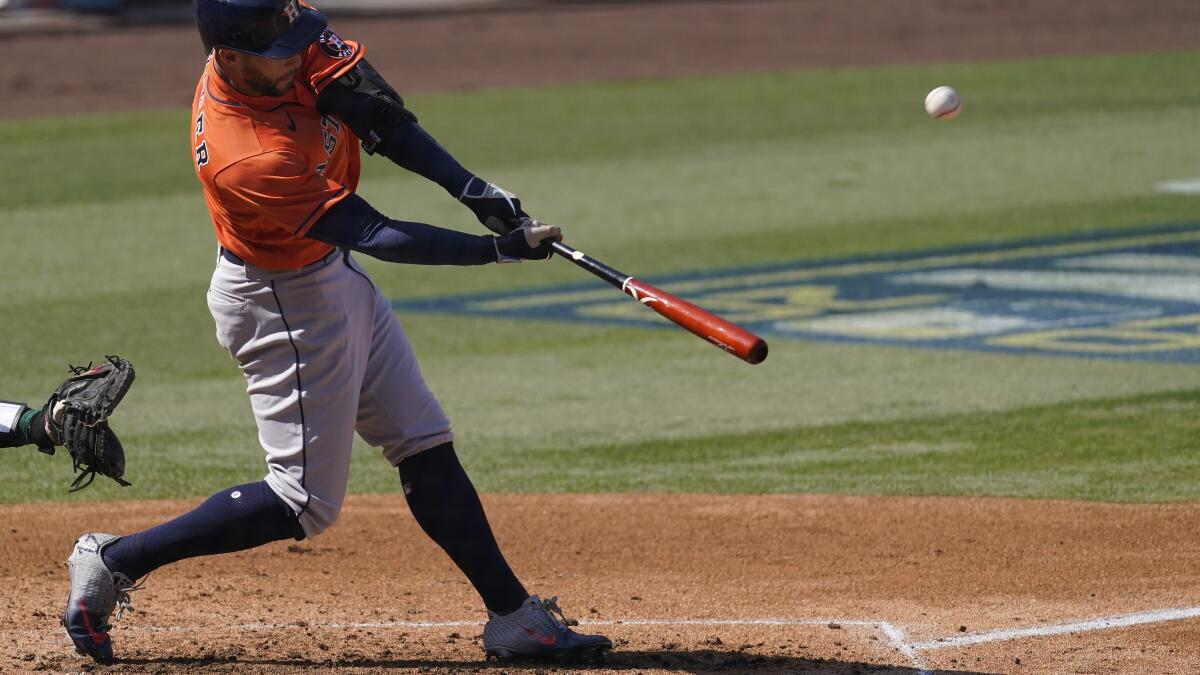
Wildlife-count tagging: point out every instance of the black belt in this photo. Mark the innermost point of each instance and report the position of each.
(232, 258)
(229, 256)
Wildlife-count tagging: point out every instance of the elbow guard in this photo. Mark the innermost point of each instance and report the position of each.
(366, 103)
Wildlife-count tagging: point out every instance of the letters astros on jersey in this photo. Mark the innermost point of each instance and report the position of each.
(272, 166)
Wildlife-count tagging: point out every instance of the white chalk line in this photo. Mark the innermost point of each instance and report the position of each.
(1090, 625)
(895, 634)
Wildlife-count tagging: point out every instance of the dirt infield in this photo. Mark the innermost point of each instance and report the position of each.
(121, 68)
(842, 577)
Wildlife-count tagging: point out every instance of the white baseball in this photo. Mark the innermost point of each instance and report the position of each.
(942, 103)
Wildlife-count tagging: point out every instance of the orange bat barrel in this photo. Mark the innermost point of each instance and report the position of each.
(700, 322)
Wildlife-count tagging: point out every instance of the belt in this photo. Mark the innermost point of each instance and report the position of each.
(233, 259)
(230, 257)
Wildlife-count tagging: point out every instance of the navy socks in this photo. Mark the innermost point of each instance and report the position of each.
(439, 494)
(447, 507)
(235, 519)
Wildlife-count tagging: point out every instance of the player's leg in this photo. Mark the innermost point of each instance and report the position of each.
(445, 503)
(447, 507)
(105, 566)
(302, 377)
(234, 519)
(302, 372)
(399, 414)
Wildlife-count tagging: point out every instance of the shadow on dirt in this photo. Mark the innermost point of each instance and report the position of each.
(698, 662)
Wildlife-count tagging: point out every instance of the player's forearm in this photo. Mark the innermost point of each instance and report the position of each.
(353, 224)
(413, 148)
(22, 425)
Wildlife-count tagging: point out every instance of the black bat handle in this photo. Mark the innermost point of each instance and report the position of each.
(612, 276)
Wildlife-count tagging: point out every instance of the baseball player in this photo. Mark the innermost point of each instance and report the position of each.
(277, 119)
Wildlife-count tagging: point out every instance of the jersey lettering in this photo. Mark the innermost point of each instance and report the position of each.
(202, 153)
(329, 131)
(320, 171)
(200, 124)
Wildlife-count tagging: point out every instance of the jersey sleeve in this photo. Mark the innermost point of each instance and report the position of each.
(328, 58)
(280, 189)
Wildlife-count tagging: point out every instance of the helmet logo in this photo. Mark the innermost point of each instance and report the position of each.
(292, 10)
(333, 46)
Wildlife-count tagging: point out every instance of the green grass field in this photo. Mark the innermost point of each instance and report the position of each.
(109, 250)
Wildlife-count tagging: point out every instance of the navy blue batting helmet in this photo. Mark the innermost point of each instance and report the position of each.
(275, 29)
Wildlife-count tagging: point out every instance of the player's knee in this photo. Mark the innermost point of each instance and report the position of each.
(420, 462)
(317, 520)
(317, 509)
(403, 453)
(434, 474)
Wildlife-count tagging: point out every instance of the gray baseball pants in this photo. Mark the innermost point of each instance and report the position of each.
(323, 356)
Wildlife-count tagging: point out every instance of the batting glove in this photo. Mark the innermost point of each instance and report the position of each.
(530, 241)
(498, 210)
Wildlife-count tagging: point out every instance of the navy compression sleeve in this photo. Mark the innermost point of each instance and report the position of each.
(413, 148)
(354, 224)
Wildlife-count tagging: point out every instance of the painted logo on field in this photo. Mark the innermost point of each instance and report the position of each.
(1131, 294)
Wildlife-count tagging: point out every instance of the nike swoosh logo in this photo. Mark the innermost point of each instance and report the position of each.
(97, 637)
(547, 640)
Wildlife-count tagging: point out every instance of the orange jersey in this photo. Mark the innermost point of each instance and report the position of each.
(272, 166)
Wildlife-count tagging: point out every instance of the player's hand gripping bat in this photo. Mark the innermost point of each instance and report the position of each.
(701, 322)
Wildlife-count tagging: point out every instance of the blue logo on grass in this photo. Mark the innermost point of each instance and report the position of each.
(1132, 294)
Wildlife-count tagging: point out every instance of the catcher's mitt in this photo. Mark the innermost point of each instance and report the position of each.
(77, 418)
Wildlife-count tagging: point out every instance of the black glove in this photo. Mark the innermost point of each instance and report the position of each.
(530, 241)
(76, 417)
(498, 210)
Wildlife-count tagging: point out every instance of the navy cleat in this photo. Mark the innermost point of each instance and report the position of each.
(95, 593)
(532, 631)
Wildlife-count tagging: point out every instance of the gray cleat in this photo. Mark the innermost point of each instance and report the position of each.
(95, 593)
(532, 631)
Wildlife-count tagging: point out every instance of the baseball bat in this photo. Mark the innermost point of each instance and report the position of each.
(700, 322)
